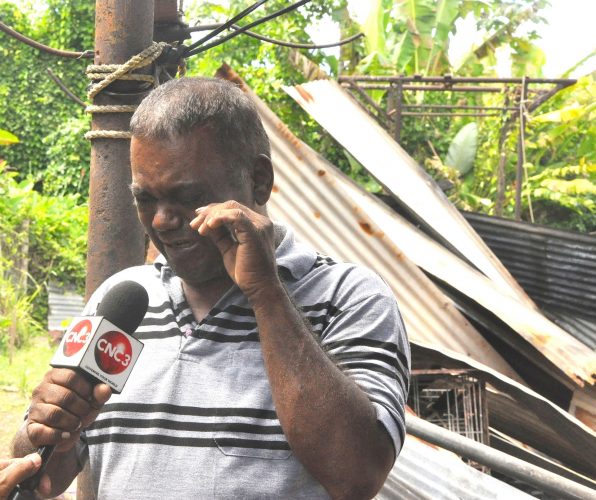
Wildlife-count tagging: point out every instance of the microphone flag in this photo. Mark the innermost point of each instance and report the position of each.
(99, 348)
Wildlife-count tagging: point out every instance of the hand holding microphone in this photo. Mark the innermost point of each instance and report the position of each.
(93, 360)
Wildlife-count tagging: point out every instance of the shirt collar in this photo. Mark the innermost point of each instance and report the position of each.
(292, 255)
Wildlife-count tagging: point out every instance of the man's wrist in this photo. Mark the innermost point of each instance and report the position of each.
(266, 294)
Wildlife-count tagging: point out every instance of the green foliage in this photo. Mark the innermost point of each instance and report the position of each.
(462, 150)
(558, 188)
(30, 101)
(43, 236)
(406, 37)
(67, 169)
(267, 67)
(34, 229)
(561, 159)
(27, 368)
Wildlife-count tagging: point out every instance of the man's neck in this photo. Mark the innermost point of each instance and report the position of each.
(201, 298)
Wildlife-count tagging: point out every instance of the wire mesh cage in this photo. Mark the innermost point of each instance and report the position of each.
(453, 399)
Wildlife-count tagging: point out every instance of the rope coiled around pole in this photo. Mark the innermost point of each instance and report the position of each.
(109, 73)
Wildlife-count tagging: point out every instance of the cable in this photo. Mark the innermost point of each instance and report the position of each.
(225, 25)
(294, 45)
(64, 88)
(44, 48)
(243, 29)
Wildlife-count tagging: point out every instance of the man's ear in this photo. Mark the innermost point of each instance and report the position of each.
(262, 178)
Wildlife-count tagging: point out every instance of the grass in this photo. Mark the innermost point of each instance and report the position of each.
(17, 380)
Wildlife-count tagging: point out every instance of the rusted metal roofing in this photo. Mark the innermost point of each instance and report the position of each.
(521, 413)
(513, 447)
(438, 261)
(423, 471)
(309, 194)
(306, 196)
(371, 145)
(556, 268)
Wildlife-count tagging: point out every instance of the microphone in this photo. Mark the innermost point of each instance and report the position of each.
(102, 348)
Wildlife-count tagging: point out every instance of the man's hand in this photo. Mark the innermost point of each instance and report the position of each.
(15, 470)
(62, 405)
(245, 240)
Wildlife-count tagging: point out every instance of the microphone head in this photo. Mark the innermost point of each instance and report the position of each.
(125, 305)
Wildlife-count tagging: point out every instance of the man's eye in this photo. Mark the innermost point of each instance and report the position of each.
(144, 200)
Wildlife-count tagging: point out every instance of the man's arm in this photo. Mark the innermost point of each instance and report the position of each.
(63, 404)
(328, 420)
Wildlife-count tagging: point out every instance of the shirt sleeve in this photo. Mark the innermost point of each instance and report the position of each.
(366, 338)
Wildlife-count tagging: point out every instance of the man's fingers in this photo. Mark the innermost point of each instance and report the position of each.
(101, 394)
(56, 417)
(62, 397)
(40, 434)
(70, 379)
(236, 219)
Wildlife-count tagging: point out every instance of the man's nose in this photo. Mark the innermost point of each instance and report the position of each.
(166, 218)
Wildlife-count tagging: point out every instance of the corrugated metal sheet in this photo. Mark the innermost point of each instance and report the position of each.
(583, 405)
(306, 195)
(521, 413)
(371, 145)
(515, 448)
(507, 415)
(423, 471)
(556, 268)
(582, 329)
(62, 307)
(438, 261)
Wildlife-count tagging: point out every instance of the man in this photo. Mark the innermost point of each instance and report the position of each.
(268, 371)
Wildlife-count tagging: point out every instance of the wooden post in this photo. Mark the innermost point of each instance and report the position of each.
(123, 28)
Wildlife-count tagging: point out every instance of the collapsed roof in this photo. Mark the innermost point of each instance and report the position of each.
(336, 216)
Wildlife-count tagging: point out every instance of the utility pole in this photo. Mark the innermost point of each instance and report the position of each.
(123, 28)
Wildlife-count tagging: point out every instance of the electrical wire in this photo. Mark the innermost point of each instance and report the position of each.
(64, 88)
(44, 48)
(225, 25)
(243, 29)
(283, 43)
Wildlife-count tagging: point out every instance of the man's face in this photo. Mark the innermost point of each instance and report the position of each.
(170, 179)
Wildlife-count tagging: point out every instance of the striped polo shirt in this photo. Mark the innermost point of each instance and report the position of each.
(196, 418)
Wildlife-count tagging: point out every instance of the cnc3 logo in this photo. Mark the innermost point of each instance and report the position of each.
(76, 337)
(113, 352)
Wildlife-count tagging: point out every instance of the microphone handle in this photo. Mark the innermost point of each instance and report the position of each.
(25, 489)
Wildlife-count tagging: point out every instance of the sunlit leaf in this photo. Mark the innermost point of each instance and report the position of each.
(7, 138)
(462, 150)
(563, 115)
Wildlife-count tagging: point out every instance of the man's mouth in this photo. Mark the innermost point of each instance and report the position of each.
(180, 244)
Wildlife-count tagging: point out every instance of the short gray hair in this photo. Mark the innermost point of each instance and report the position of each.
(176, 107)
